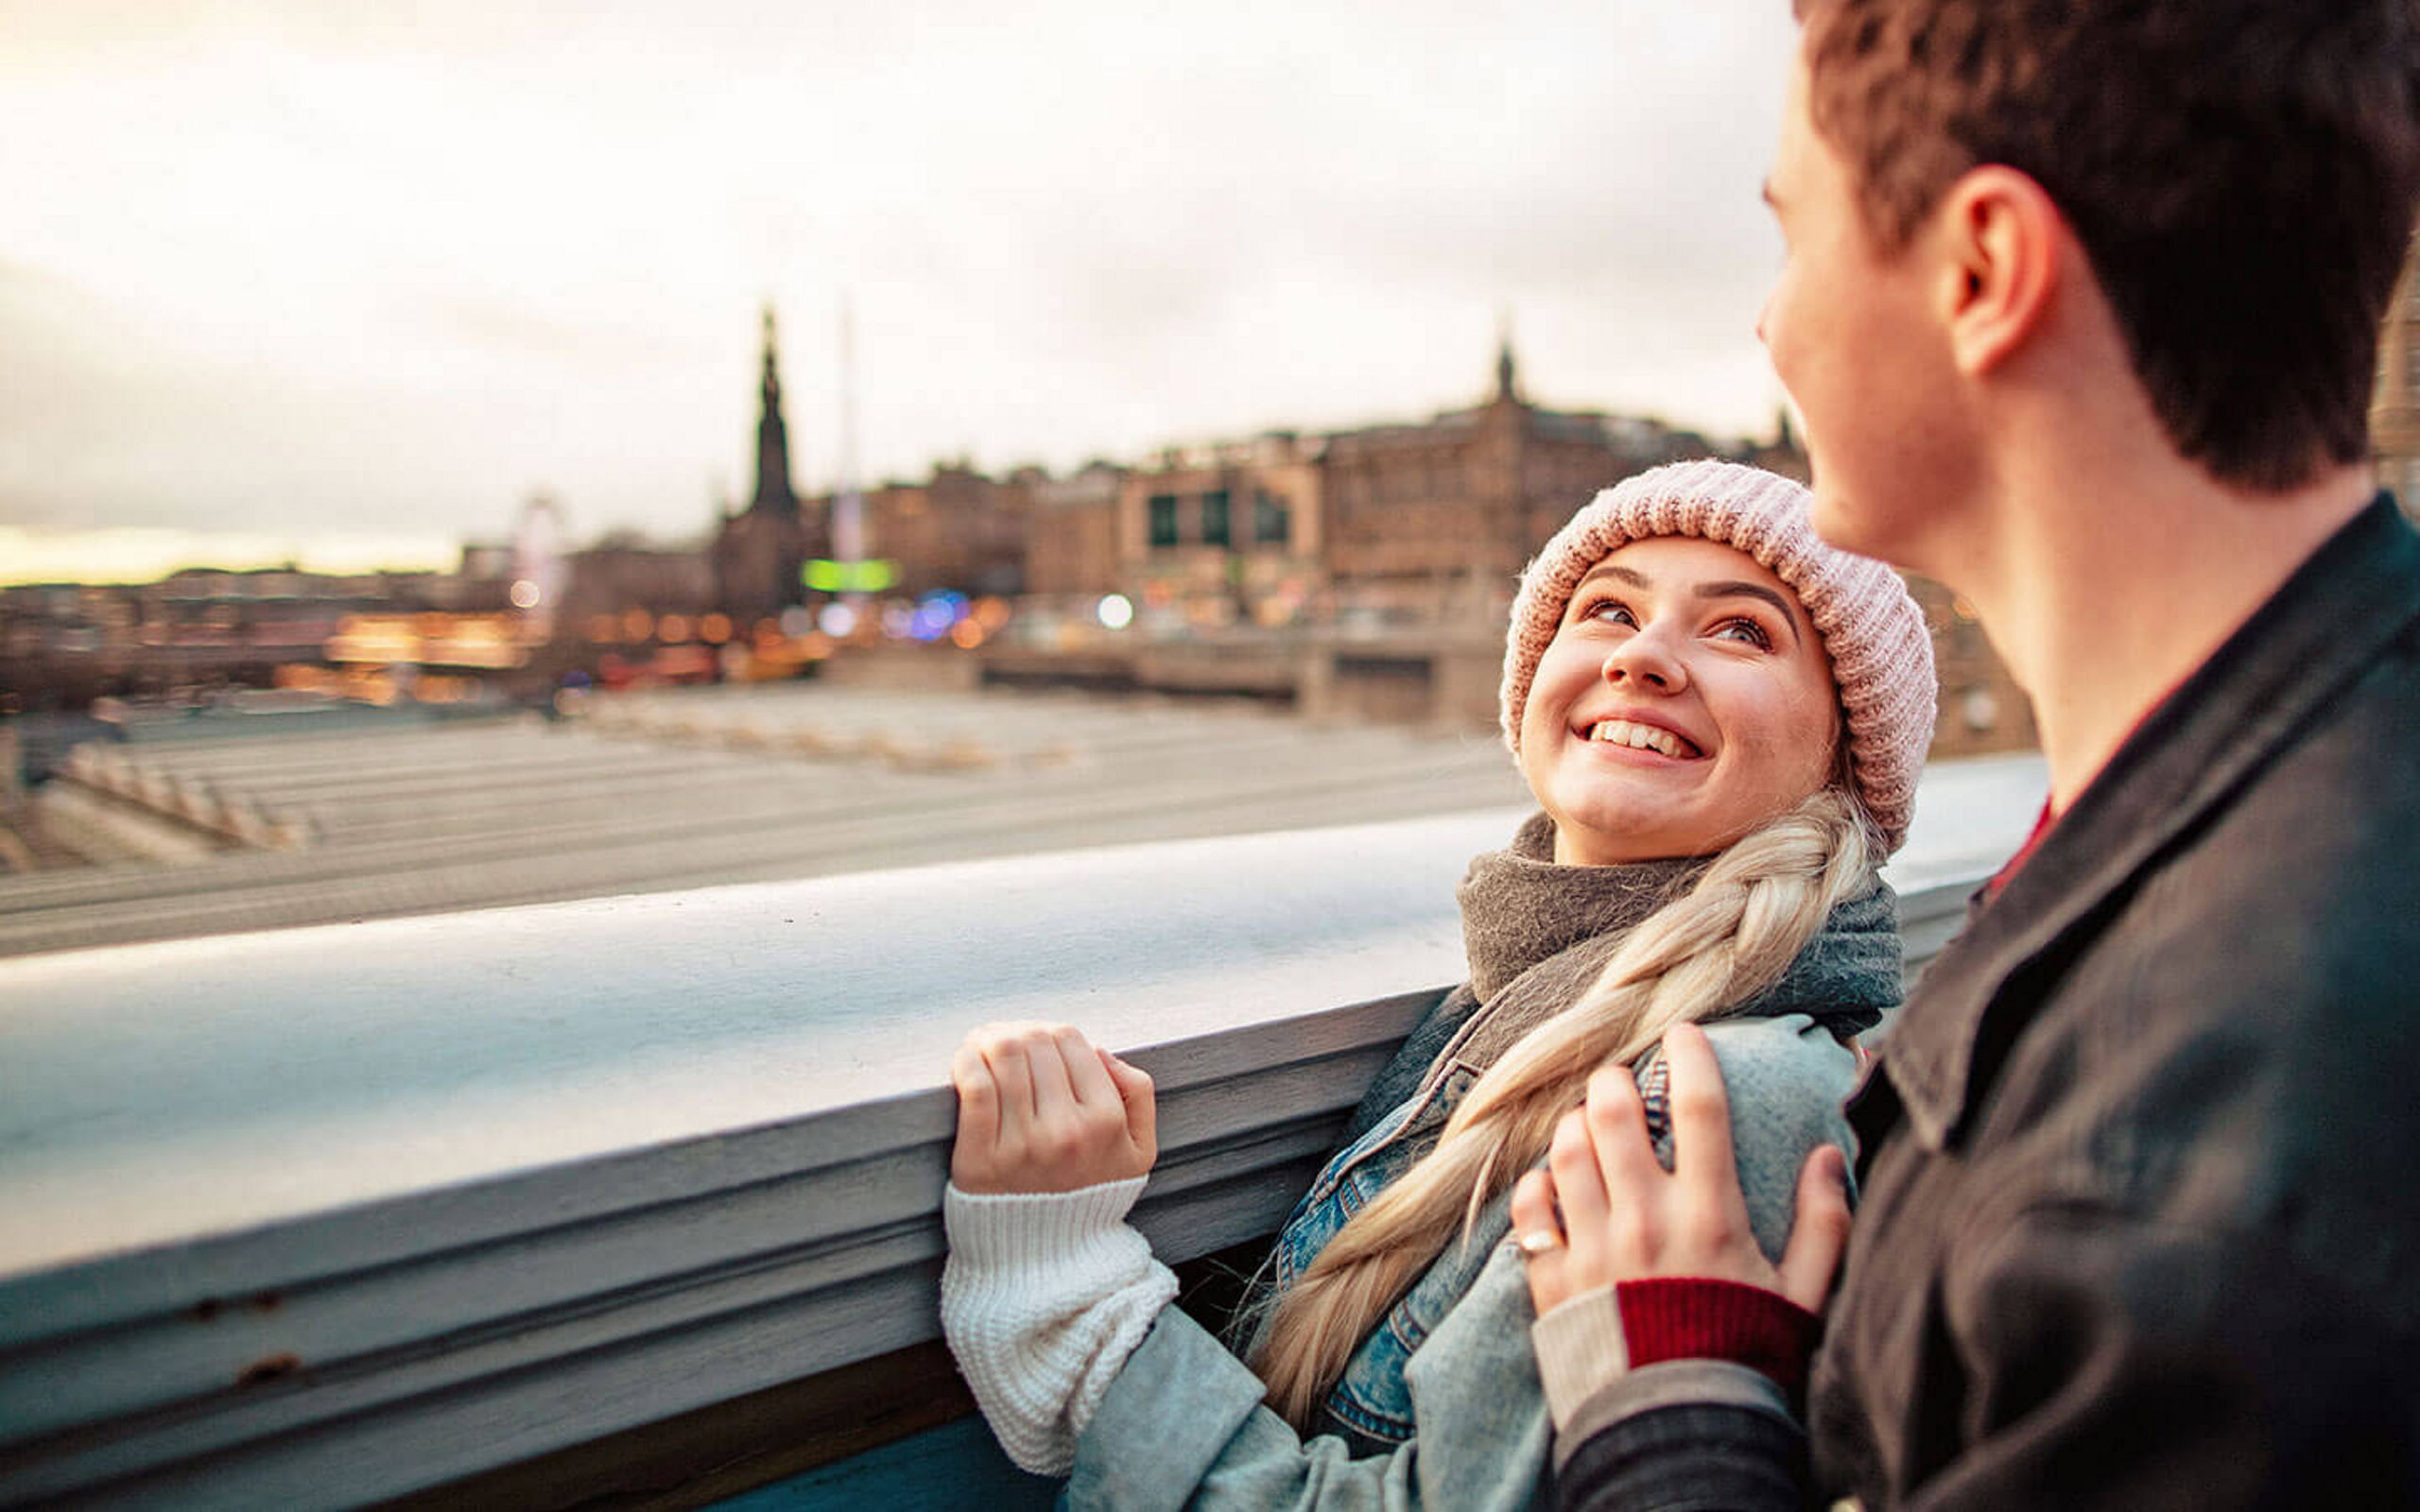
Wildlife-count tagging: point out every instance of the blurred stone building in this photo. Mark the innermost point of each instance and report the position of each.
(1227, 533)
(1071, 535)
(622, 573)
(1437, 518)
(1422, 522)
(957, 530)
(64, 645)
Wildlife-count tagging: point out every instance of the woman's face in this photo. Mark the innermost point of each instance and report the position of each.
(1683, 700)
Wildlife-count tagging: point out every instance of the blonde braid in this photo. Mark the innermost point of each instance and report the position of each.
(1710, 949)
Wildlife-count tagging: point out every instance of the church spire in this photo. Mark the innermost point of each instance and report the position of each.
(1507, 385)
(773, 495)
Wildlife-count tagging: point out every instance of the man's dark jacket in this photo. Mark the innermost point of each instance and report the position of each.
(2141, 1215)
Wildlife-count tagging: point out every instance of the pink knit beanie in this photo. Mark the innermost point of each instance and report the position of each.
(1871, 627)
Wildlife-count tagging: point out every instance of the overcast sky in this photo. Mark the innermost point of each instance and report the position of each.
(362, 274)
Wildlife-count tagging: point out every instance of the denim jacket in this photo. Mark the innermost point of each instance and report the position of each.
(1371, 1408)
(1441, 1406)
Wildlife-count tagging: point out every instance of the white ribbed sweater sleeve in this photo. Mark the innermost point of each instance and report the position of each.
(1044, 1296)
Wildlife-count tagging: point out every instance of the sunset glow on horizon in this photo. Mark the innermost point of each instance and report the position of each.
(141, 556)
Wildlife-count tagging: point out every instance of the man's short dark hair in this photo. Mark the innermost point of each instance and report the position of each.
(2242, 173)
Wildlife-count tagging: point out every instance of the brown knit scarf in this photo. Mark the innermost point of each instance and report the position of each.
(1537, 935)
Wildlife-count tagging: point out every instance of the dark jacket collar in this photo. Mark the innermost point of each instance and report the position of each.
(2313, 639)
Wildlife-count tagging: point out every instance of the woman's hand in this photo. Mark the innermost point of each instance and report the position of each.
(1623, 1217)
(1039, 1109)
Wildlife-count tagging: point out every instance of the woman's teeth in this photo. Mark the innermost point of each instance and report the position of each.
(1642, 737)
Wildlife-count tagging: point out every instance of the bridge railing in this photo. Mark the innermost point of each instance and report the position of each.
(345, 1214)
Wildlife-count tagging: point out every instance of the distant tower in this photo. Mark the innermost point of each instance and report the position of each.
(760, 553)
(773, 495)
(1498, 519)
(1507, 377)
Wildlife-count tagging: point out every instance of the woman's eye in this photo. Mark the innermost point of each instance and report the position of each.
(1610, 612)
(1748, 631)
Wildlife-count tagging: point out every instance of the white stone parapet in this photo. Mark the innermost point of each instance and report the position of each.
(321, 1217)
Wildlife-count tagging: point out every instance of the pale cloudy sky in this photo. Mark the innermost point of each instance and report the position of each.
(346, 272)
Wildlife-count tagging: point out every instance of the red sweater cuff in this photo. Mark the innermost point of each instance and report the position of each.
(1696, 1318)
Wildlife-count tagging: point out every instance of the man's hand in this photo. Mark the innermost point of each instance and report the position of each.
(1039, 1109)
(1623, 1217)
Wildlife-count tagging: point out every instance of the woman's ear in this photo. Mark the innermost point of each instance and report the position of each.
(2002, 247)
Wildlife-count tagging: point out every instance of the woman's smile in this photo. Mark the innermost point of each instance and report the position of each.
(1627, 735)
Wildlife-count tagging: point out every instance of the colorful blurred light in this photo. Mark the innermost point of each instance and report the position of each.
(1116, 611)
(826, 576)
(928, 621)
(937, 613)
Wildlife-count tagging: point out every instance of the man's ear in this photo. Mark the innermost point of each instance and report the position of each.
(2003, 245)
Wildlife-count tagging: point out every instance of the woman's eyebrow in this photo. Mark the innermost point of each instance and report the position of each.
(1636, 579)
(1748, 590)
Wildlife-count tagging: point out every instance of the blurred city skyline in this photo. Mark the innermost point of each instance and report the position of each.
(349, 287)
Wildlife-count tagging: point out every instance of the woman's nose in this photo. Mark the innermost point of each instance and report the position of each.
(1645, 661)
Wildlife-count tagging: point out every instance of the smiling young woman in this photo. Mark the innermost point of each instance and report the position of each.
(1721, 719)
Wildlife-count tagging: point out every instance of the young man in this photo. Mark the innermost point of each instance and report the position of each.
(2081, 310)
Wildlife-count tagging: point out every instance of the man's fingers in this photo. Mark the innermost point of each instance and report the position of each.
(1701, 1113)
(1617, 1127)
(1540, 1236)
(1135, 1088)
(1533, 1214)
(1821, 1230)
(1578, 1185)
